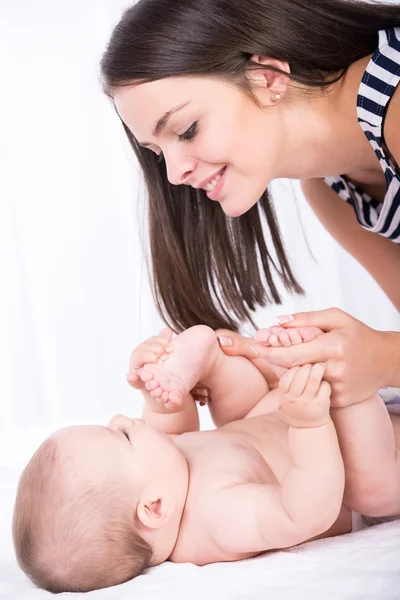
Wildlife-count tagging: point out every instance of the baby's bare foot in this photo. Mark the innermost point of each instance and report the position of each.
(195, 352)
(279, 336)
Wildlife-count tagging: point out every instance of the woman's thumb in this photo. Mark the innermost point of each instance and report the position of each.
(234, 344)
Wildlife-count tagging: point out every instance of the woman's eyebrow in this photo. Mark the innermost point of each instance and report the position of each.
(162, 122)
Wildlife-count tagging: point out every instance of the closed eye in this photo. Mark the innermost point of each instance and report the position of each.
(190, 133)
(125, 433)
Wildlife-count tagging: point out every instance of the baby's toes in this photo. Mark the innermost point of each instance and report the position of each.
(165, 396)
(275, 341)
(157, 392)
(151, 385)
(145, 375)
(176, 398)
(262, 336)
(277, 329)
(284, 339)
(309, 333)
(295, 337)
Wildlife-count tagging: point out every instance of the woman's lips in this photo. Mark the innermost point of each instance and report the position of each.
(213, 195)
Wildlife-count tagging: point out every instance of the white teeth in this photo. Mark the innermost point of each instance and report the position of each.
(210, 186)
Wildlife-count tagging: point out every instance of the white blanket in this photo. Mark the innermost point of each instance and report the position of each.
(363, 565)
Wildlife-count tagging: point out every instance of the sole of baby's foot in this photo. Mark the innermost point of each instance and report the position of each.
(165, 387)
(279, 336)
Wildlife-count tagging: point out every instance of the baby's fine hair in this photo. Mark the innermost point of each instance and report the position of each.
(70, 534)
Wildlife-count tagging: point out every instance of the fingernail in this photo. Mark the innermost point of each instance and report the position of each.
(169, 348)
(284, 319)
(225, 341)
(254, 350)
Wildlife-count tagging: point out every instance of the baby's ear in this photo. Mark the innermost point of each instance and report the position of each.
(154, 510)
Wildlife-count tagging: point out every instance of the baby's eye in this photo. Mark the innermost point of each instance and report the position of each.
(125, 432)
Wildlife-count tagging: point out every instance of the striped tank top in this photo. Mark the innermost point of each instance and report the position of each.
(377, 87)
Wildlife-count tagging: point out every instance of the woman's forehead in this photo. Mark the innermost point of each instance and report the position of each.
(142, 105)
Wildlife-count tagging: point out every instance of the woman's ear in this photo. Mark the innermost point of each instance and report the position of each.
(267, 80)
(154, 509)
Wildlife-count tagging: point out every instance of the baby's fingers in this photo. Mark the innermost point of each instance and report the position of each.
(166, 332)
(286, 380)
(299, 381)
(314, 379)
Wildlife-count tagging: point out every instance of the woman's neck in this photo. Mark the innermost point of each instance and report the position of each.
(322, 133)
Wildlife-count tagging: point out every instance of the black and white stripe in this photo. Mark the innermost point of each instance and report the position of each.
(377, 87)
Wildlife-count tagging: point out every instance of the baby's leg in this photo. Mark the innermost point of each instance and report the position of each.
(370, 451)
(236, 385)
(371, 457)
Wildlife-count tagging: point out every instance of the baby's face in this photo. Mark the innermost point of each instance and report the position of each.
(127, 450)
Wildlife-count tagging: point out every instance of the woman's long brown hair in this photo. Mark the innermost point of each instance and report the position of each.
(209, 268)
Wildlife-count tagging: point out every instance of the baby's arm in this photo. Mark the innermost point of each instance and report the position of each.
(254, 517)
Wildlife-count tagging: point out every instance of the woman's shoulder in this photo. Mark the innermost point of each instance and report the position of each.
(391, 126)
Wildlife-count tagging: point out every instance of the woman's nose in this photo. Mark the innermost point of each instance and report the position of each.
(179, 168)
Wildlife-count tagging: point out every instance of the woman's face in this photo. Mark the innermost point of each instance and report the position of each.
(212, 125)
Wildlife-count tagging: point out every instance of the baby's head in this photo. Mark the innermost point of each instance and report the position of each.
(96, 505)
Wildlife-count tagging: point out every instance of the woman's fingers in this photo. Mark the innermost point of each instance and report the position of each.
(331, 318)
(234, 344)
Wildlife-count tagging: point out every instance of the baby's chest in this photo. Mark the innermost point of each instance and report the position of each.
(210, 471)
(268, 437)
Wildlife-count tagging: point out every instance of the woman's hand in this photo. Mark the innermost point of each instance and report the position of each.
(234, 344)
(359, 360)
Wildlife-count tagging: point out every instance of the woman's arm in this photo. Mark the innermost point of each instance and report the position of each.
(359, 359)
(378, 255)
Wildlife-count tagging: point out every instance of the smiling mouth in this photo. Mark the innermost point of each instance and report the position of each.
(211, 185)
(215, 186)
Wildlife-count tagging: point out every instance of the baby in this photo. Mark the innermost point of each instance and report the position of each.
(96, 506)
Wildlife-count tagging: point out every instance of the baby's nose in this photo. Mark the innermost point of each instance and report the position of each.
(120, 421)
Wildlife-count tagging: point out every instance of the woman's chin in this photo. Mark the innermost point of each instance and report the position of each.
(232, 209)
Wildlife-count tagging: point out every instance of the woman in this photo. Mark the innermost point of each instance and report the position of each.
(220, 97)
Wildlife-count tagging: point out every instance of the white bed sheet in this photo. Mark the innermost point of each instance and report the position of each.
(363, 565)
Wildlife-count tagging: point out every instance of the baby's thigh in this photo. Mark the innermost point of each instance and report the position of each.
(236, 386)
(225, 409)
(395, 418)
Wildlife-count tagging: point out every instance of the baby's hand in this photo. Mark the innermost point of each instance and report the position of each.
(155, 350)
(305, 397)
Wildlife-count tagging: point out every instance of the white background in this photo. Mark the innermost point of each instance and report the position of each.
(74, 297)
